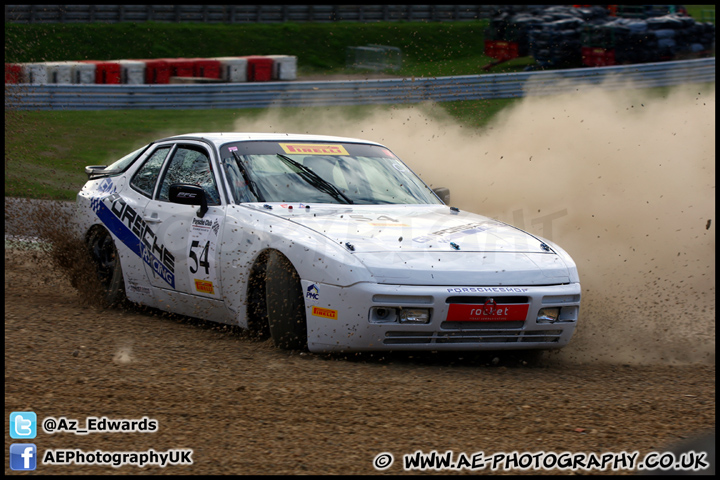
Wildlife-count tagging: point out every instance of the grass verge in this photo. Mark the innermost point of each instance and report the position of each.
(46, 151)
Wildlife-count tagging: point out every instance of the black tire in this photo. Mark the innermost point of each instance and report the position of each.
(257, 307)
(106, 259)
(285, 303)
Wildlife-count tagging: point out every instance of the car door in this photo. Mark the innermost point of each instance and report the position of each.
(129, 208)
(185, 257)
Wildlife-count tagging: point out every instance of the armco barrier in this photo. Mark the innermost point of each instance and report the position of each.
(356, 92)
(267, 13)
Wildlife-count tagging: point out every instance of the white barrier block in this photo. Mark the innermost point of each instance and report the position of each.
(82, 72)
(59, 72)
(234, 69)
(132, 72)
(35, 73)
(284, 67)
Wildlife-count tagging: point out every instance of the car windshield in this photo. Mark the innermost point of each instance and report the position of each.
(345, 173)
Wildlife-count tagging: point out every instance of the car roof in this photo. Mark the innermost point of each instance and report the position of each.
(221, 138)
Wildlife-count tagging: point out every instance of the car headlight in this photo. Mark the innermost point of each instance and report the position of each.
(548, 315)
(419, 316)
(414, 315)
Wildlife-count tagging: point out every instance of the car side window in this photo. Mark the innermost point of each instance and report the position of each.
(190, 165)
(145, 178)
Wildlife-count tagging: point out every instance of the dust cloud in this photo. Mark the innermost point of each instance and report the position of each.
(622, 180)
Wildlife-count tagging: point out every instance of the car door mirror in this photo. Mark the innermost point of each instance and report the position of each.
(185, 194)
(443, 193)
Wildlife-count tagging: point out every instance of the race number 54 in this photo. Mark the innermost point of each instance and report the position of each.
(199, 255)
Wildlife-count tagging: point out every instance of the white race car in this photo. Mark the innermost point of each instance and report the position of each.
(325, 243)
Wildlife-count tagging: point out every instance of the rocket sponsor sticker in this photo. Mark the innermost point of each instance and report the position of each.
(325, 313)
(313, 149)
(487, 312)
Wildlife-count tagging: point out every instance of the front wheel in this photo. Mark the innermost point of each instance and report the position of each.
(107, 267)
(285, 304)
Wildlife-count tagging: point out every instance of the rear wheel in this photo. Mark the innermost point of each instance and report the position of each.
(107, 267)
(285, 304)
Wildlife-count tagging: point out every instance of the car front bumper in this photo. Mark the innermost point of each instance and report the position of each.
(345, 319)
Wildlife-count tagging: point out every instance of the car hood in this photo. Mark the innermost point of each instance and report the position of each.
(432, 244)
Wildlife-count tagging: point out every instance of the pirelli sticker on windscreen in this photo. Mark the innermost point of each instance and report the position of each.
(313, 149)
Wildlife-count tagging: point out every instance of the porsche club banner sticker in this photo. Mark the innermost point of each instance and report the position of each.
(202, 245)
(313, 149)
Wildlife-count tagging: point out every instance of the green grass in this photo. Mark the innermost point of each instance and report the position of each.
(318, 46)
(45, 152)
(701, 12)
(428, 49)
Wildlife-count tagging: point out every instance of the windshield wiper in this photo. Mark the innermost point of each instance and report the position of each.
(316, 180)
(250, 183)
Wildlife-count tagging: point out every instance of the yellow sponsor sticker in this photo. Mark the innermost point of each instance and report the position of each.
(313, 149)
(204, 286)
(325, 313)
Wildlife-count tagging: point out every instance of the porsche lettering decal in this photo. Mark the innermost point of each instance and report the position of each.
(487, 290)
(122, 220)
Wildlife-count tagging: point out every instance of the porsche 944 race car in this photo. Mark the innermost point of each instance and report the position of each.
(325, 243)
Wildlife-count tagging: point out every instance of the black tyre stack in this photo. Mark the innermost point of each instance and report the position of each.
(555, 35)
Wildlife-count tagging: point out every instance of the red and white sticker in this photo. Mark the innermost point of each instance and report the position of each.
(490, 311)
